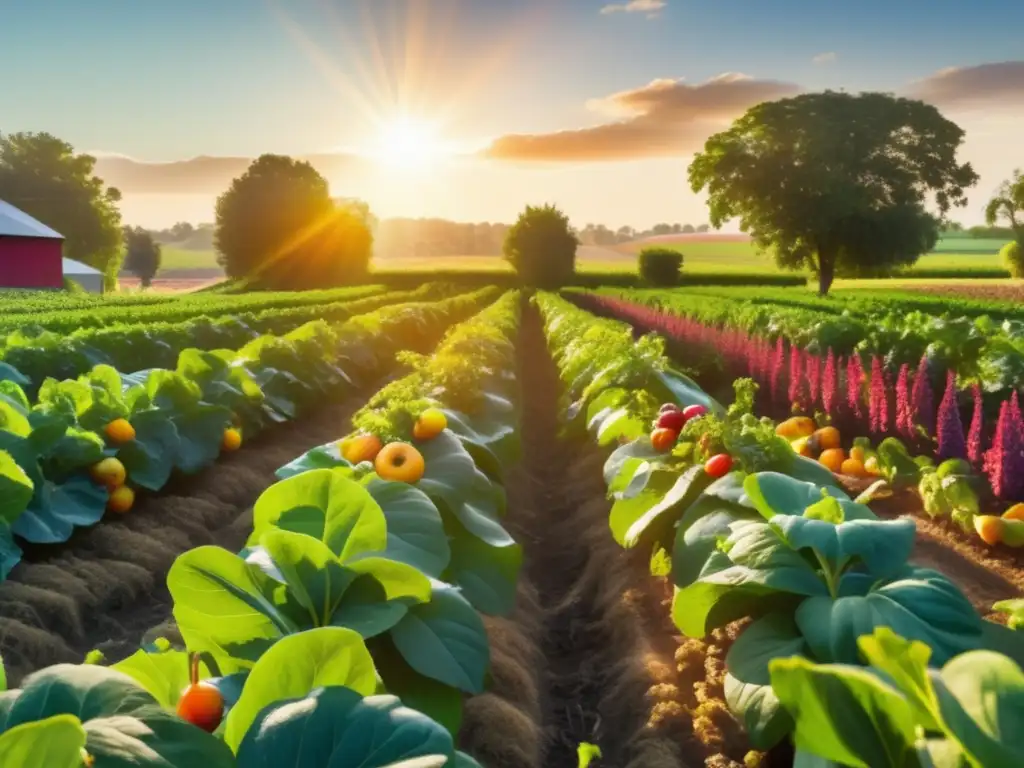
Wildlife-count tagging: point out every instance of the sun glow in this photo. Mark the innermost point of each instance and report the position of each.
(407, 143)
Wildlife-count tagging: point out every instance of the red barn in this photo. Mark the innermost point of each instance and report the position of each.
(30, 252)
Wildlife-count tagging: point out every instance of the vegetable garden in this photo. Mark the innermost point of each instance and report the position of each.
(450, 528)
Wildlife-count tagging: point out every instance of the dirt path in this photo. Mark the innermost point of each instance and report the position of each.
(106, 587)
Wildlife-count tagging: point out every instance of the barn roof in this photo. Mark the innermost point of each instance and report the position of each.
(72, 267)
(17, 223)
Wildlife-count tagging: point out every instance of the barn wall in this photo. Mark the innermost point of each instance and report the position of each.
(27, 262)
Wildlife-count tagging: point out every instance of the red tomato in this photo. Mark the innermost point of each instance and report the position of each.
(668, 407)
(663, 439)
(201, 703)
(673, 420)
(718, 466)
(693, 411)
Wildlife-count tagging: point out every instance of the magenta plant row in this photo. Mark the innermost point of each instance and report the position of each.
(869, 401)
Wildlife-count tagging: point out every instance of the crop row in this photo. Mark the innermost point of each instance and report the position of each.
(839, 630)
(101, 314)
(354, 630)
(138, 345)
(21, 301)
(64, 457)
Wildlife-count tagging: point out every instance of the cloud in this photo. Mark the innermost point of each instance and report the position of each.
(663, 118)
(636, 6)
(997, 83)
(825, 58)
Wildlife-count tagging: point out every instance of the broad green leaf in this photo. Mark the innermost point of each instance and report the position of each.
(655, 524)
(1015, 609)
(327, 456)
(618, 424)
(905, 662)
(294, 667)
(487, 575)
(445, 639)
(149, 458)
(884, 546)
(981, 698)
(10, 553)
(774, 494)
(845, 714)
(748, 690)
(124, 724)
(228, 607)
(684, 391)
(415, 530)
(57, 509)
(314, 575)
(16, 489)
(336, 727)
(709, 520)
(438, 701)
(13, 419)
(201, 431)
(380, 595)
(164, 675)
(326, 505)
(638, 449)
(627, 511)
(55, 742)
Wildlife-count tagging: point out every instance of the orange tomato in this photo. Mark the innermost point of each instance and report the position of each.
(663, 439)
(232, 439)
(121, 499)
(400, 462)
(361, 448)
(119, 431)
(1016, 512)
(201, 703)
(833, 459)
(853, 467)
(989, 528)
(858, 453)
(828, 437)
(109, 472)
(430, 424)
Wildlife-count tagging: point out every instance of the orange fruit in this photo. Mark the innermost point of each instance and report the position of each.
(121, 499)
(232, 439)
(360, 448)
(109, 472)
(1016, 512)
(201, 703)
(828, 437)
(400, 462)
(852, 467)
(663, 439)
(858, 453)
(989, 528)
(798, 426)
(833, 459)
(119, 431)
(430, 424)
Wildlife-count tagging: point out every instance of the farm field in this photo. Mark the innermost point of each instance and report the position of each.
(457, 498)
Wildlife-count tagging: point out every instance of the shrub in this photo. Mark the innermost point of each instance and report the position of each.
(660, 266)
(541, 247)
(1012, 255)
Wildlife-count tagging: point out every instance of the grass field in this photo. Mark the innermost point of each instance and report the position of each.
(180, 258)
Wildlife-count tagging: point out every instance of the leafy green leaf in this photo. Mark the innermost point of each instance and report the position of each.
(55, 742)
(16, 489)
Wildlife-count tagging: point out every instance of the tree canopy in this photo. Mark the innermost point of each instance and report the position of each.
(278, 225)
(1008, 204)
(142, 254)
(835, 182)
(541, 247)
(44, 177)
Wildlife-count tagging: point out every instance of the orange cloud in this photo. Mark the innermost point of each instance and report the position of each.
(663, 118)
(994, 84)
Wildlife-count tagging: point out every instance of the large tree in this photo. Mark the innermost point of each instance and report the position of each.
(141, 254)
(835, 182)
(44, 177)
(277, 225)
(541, 247)
(1008, 204)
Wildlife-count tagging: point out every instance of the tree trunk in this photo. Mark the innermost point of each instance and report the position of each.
(826, 272)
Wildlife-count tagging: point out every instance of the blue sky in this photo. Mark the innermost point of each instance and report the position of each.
(169, 81)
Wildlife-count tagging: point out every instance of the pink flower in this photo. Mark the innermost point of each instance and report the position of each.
(854, 378)
(904, 419)
(796, 378)
(1004, 461)
(813, 373)
(829, 384)
(922, 400)
(975, 433)
(878, 404)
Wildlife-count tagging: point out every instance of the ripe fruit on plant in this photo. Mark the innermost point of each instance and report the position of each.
(668, 407)
(121, 499)
(718, 466)
(828, 437)
(1016, 512)
(852, 467)
(360, 448)
(674, 420)
(989, 528)
(833, 459)
(798, 426)
(871, 466)
(802, 447)
(693, 411)
(109, 472)
(858, 453)
(430, 424)
(119, 431)
(201, 703)
(663, 439)
(232, 439)
(400, 462)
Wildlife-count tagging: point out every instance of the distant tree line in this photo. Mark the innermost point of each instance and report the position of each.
(599, 234)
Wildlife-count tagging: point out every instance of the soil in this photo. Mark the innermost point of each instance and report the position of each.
(106, 589)
(1009, 291)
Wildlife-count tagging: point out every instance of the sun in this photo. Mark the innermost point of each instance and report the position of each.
(407, 143)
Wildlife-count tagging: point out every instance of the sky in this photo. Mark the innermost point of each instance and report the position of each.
(471, 109)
